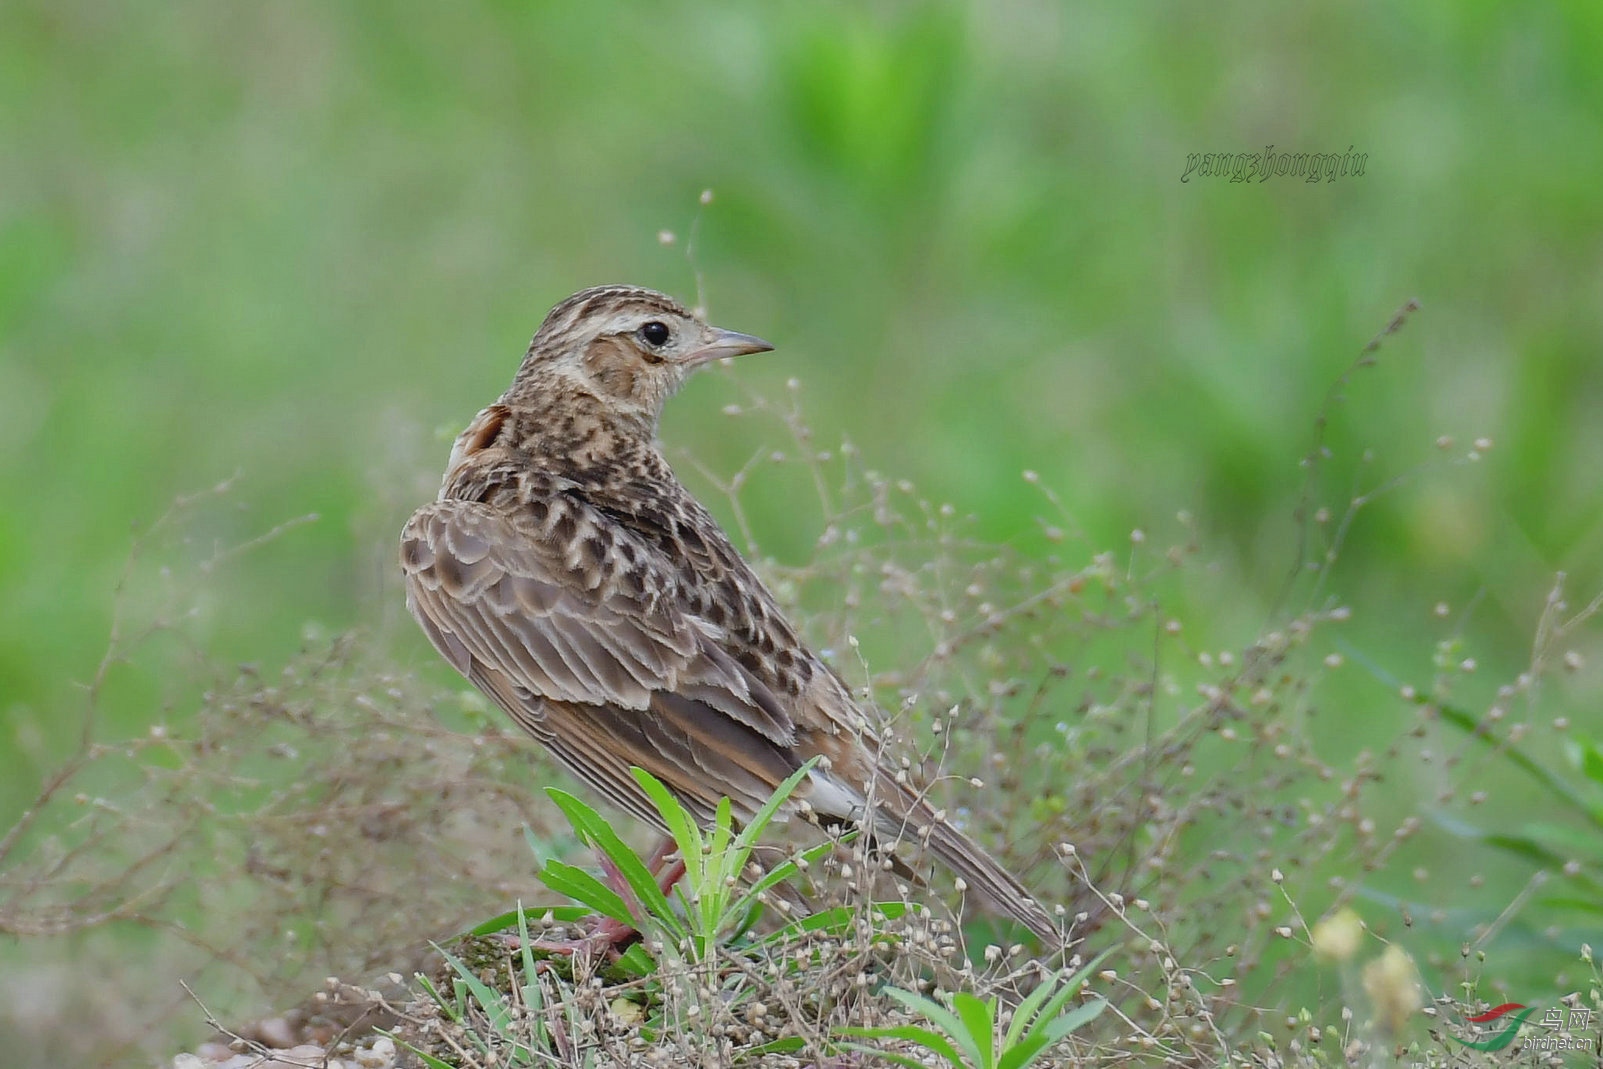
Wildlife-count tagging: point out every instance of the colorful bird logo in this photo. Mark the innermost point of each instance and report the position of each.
(1510, 1029)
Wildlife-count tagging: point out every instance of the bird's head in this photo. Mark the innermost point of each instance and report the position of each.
(630, 347)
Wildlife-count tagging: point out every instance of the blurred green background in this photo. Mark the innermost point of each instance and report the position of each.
(304, 243)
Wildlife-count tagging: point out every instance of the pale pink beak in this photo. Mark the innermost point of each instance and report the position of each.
(724, 343)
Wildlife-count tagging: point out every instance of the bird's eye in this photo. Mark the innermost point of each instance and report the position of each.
(654, 333)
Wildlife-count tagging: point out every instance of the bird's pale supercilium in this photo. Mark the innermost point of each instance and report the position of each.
(568, 574)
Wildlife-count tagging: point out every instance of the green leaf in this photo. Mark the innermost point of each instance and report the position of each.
(1045, 1037)
(1471, 726)
(979, 1020)
(722, 833)
(594, 828)
(837, 919)
(580, 886)
(1027, 1010)
(1573, 842)
(526, 954)
(1080, 1015)
(894, 1059)
(783, 1045)
(1054, 996)
(677, 819)
(533, 994)
(1584, 905)
(1521, 846)
(941, 1018)
(910, 1033)
(1589, 759)
(1022, 1054)
(1040, 1040)
(509, 919)
(759, 820)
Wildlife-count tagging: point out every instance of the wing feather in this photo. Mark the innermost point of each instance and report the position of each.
(493, 592)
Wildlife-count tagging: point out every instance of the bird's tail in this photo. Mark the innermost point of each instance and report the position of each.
(905, 815)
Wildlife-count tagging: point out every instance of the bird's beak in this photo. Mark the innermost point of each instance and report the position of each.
(722, 343)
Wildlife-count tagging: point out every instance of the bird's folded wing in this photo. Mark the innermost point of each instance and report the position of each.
(492, 592)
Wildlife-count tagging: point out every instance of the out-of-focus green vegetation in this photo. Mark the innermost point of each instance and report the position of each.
(304, 243)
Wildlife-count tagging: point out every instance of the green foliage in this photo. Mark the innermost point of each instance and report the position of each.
(970, 1034)
(500, 1028)
(716, 901)
(305, 242)
(965, 230)
(715, 861)
(1566, 841)
(714, 906)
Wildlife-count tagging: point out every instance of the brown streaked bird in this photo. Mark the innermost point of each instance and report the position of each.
(568, 574)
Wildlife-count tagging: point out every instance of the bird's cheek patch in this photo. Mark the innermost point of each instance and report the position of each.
(610, 363)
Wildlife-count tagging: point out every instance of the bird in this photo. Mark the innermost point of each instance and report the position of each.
(569, 575)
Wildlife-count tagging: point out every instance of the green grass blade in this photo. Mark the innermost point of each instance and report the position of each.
(533, 994)
(1045, 1037)
(429, 1061)
(445, 1005)
(489, 999)
(1587, 755)
(1470, 725)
